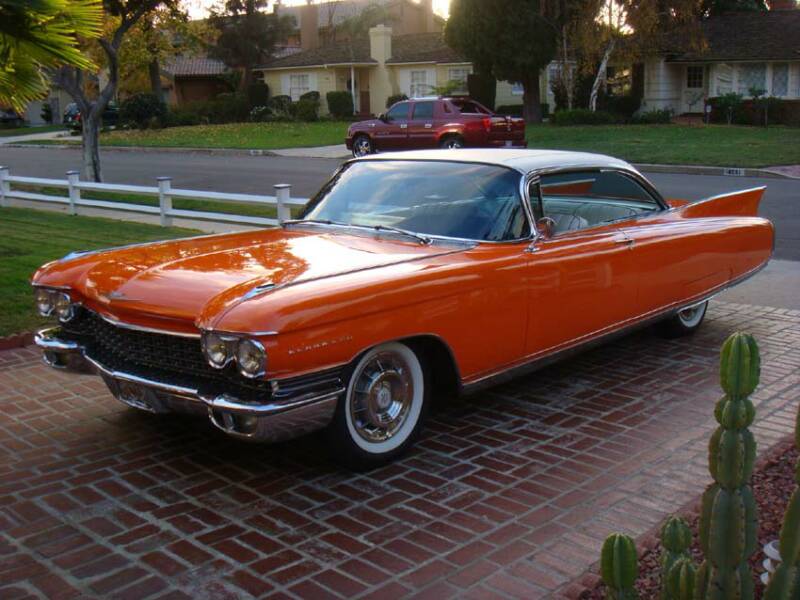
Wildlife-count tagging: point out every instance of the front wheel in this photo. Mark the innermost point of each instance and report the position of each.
(383, 410)
(685, 322)
(362, 146)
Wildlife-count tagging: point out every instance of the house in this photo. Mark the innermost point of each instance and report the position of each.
(194, 78)
(742, 51)
(382, 65)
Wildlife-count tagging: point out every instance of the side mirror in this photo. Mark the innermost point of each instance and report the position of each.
(546, 227)
(382, 117)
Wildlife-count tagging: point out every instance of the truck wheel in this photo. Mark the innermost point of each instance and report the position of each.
(685, 322)
(452, 142)
(383, 409)
(362, 146)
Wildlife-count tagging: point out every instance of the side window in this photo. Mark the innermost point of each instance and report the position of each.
(423, 110)
(578, 200)
(399, 112)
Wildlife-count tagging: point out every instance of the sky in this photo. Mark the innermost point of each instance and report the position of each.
(199, 8)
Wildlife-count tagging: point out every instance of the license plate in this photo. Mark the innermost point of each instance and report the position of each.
(509, 144)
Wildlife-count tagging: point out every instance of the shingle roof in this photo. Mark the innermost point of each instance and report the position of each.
(195, 67)
(769, 35)
(414, 47)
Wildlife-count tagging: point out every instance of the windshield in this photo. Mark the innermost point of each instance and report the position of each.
(460, 200)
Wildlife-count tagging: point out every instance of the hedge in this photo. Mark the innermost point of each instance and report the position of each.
(582, 116)
(340, 104)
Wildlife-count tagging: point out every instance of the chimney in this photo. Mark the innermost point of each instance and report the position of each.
(380, 80)
(380, 43)
(783, 5)
(309, 26)
(431, 25)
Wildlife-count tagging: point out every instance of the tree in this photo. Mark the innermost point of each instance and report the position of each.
(122, 15)
(718, 7)
(247, 35)
(36, 35)
(511, 39)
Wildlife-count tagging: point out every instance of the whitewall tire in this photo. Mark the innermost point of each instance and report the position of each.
(684, 322)
(383, 409)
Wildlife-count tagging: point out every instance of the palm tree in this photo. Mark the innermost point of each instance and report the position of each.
(37, 35)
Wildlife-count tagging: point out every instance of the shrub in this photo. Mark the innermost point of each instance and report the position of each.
(394, 99)
(280, 104)
(482, 88)
(140, 109)
(728, 106)
(582, 116)
(517, 110)
(258, 94)
(181, 117)
(653, 117)
(260, 114)
(340, 104)
(307, 109)
(312, 95)
(47, 113)
(624, 106)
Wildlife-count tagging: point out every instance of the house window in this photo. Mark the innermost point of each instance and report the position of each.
(459, 74)
(780, 79)
(694, 77)
(419, 84)
(752, 76)
(298, 85)
(517, 89)
(724, 79)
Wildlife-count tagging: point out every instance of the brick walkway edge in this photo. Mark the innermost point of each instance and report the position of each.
(509, 495)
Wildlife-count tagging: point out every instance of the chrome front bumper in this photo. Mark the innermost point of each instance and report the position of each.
(268, 422)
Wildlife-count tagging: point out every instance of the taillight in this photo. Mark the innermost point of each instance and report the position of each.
(487, 124)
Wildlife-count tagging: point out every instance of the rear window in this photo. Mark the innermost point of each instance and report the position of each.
(423, 110)
(469, 107)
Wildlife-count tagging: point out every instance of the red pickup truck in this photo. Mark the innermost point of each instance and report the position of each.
(453, 122)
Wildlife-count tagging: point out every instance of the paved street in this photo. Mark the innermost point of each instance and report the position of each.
(257, 174)
(509, 494)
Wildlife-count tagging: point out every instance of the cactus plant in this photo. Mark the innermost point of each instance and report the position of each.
(676, 537)
(681, 579)
(785, 582)
(728, 520)
(619, 567)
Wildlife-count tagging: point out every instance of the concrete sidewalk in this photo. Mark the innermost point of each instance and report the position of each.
(33, 137)
(337, 151)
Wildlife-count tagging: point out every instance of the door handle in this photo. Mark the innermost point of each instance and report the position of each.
(626, 241)
(403, 126)
(428, 125)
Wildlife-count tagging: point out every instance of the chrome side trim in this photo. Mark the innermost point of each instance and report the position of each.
(546, 357)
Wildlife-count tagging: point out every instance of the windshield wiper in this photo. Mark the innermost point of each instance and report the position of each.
(314, 222)
(423, 239)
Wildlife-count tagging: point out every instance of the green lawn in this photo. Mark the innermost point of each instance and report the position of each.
(29, 238)
(716, 145)
(29, 130)
(249, 136)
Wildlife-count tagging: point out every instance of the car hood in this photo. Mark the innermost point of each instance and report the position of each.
(197, 278)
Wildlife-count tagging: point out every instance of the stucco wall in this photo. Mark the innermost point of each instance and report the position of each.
(662, 85)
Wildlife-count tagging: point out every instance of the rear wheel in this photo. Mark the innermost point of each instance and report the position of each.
(362, 146)
(383, 410)
(685, 322)
(452, 142)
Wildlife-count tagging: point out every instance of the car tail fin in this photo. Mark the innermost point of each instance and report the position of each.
(743, 203)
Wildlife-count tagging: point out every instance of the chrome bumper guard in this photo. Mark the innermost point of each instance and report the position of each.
(268, 422)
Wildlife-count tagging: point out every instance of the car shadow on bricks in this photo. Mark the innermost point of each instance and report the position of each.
(509, 491)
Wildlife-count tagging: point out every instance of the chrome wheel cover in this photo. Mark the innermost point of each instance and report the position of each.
(453, 144)
(382, 397)
(362, 147)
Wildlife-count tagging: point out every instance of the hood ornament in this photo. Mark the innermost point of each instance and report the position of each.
(260, 289)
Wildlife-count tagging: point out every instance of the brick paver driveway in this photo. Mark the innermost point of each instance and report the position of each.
(509, 494)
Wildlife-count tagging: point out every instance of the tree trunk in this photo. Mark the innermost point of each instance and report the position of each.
(601, 74)
(91, 145)
(154, 70)
(531, 99)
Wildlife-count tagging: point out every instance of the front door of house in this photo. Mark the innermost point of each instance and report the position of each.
(693, 90)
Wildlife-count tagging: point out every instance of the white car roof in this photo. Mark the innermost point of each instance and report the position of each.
(523, 160)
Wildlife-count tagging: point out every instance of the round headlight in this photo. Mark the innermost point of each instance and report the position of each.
(251, 357)
(216, 350)
(63, 307)
(44, 301)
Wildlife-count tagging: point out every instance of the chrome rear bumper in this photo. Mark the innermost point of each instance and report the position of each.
(271, 421)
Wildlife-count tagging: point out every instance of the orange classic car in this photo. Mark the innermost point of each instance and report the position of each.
(406, 277)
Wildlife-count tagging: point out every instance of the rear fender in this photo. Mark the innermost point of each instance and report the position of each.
(743, 203)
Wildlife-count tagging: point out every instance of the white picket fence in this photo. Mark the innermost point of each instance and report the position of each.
(164, 191)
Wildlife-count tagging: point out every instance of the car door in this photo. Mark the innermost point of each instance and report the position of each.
(392, 132)
(421, 127)
(582, 278)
